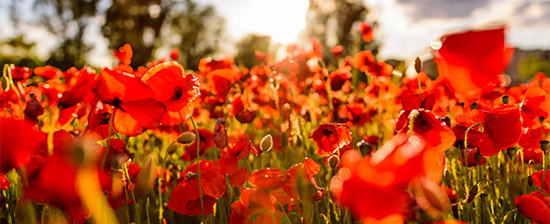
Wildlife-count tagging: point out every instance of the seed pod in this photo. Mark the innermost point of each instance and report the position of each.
(471, 194)
(187, 137)
(505, 99)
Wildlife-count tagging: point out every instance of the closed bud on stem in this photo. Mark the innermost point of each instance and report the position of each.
(544, 145)
(505, 99)
(267, 143)
(172, 148)
(478, 157)
(187, 137)
(471, 194)
(511, 152)
(541, 119)
(530, 181)
(333, 161)
(364, 147)
(474, 105)
(418, 65)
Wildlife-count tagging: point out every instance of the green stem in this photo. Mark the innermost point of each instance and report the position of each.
(198, 163)
(136, 209)
(104, 159)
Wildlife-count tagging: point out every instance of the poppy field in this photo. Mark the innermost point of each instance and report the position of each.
(309, 138)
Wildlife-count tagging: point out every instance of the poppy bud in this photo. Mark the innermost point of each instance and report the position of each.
(446, 120)
(541, 119)
(418, 65)
(33, 109)
(478, 157)
(220, 133)
(544, 145)
(471, 194)
(505, 99)
(267, 143)
(364, 147)
(187, 137)
(483, 196)
(511, 152)
(474, 105)
(530, 181)
(173, 148)
(333, 161)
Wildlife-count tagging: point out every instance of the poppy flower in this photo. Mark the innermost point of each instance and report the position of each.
(124, 54)
(237, 176)
(185, 198)
(337, 50)
(535, 206)
(206, 141)
(331, 138)
(501, 128)
(307, 169)
(258, 206)
(219, 82)
(362, 60)
(470, 61)
(237, 148)
(79, 87)
(20, 74)
(4, 182)
(207, 65)
(537, 180)
(220, 133)
(474, 135)
(98, 120)
(268, 179)
(366, 31)
(434, 131)
(19, 141)
(47, 72)
(536, 104)
(174, 90)
(530, 142)
(338, 78)
(175, 54)
(470, 154)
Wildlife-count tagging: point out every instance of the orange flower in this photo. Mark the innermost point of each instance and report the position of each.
(536, 104)
(124, 54)
(268, 179)
(534, 206)
(366, 31)
(331, 138)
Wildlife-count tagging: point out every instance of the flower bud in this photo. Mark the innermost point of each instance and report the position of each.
(364, 147)
(511, 152)
(541, 119)
(446, 120)
(505, 99)
(471, 194)
(187, 138)
(530, 181)
(333, 161)
(474, 105)
(544, 145)
(418, 65)
(478, 157)
(267, 143)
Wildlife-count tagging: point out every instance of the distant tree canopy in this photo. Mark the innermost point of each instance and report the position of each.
(146, 25)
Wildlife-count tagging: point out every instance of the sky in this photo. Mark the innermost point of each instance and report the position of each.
(407, 27)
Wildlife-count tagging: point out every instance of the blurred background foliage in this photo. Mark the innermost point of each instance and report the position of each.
(152, 25)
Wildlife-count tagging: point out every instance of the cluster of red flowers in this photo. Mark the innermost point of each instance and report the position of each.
(382, 146)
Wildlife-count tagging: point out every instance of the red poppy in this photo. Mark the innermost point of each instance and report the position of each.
(338, 78)
(79, 87)
(174, 90)
(175, 54)
(219, 82)
(474, 135)
(258, 206)
(237, 176)
(220, 133)
(237, 148)
(98, 120)
(306, 169)
(337, 50)
(331, 138)
(434, 131)
(207, 65)
(362, 60)
(501, 128)
(19, 141)
(4, 182)
(471, 60)
(535, 104)
(20, 74)
(470, 154)
(124, 54)
(268, 179)
(366, 31)
(47, 72)
(530, 142)
(185, 198)
(206, 141)
(537, 179)
(534, 206)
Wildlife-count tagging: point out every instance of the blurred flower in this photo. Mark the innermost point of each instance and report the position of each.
(366, 31)
(331, 138)
(501, 128)
(124, 54)
(535, 206)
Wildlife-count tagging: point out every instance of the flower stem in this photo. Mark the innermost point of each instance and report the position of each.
(198, 163)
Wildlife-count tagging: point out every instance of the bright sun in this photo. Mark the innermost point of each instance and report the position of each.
(283, 20)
